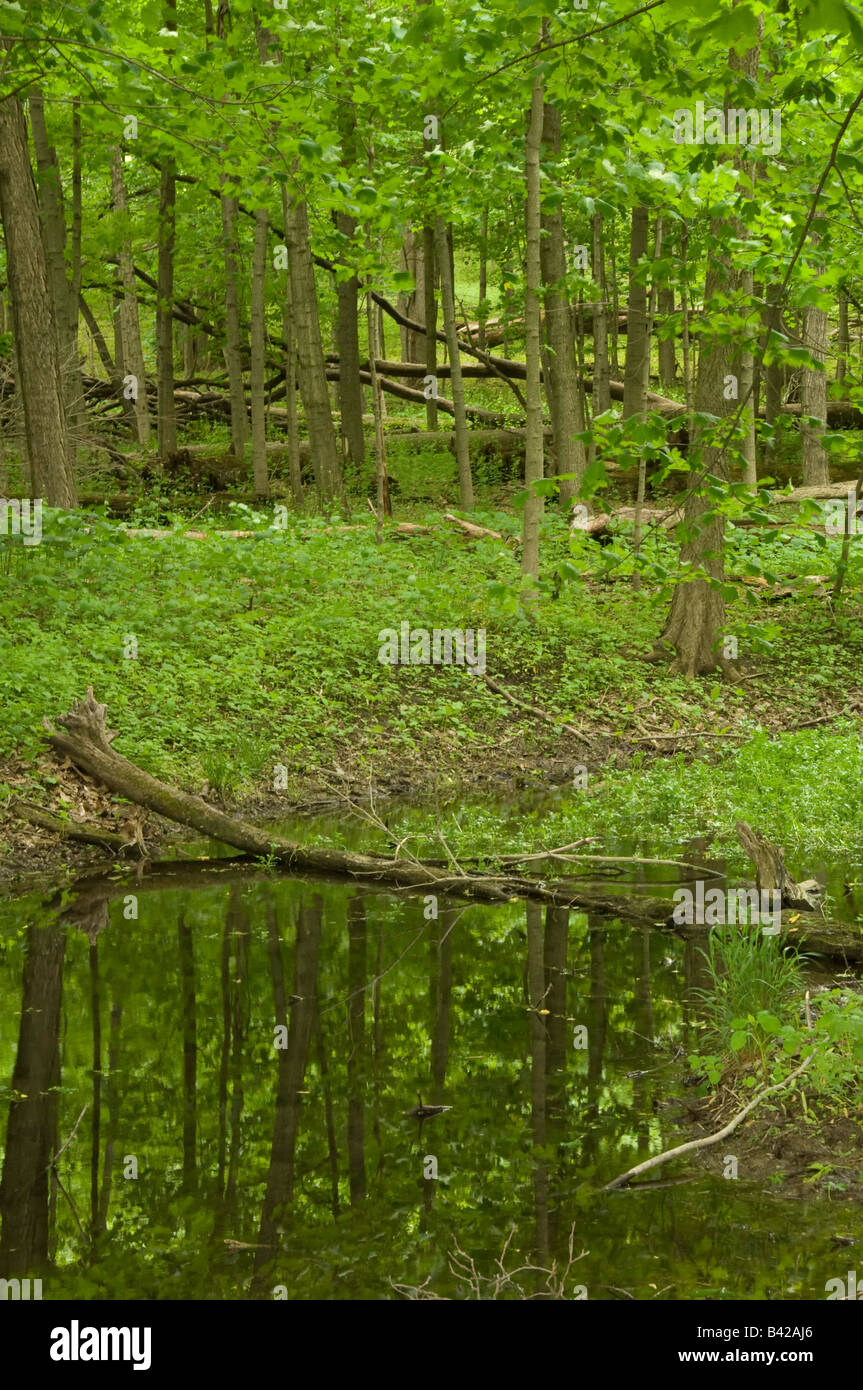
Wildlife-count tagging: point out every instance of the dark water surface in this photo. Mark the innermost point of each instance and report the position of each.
(211, 1163)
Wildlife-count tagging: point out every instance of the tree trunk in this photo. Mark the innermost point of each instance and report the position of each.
(533, 451)
(133, 352)
(166, 412)
(637, 340)
(348, 348)
(667, 361)
(563, 387)
(258, 336)
(54, 239)
(312, 369)
(813, 398)
(233, 332)
(430, 320)
(34, 325)
(465, 478)
(601, 366)
(843, 341)
(290, 340)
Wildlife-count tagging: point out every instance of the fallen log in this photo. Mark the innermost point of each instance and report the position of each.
(85, 740)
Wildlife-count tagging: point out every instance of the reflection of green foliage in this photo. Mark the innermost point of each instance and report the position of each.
(167, 1240)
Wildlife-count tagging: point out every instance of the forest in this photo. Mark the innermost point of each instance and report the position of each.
(431, 780)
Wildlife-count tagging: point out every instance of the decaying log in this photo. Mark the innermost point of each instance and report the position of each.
(71, 830)
(85, 740)
(771, 873)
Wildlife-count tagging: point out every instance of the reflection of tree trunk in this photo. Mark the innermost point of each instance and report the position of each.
(555, 955)
(441, 996)
(292, 1070)
(31, 1136)
(537, 999)
(556, 943)
(356, 1045)
(643, 1016)
(112, 1101)
(225, 1057)
(597, 1017)
(239, 1027)
(190, 1050)
(329, 1121)
(96, 1122)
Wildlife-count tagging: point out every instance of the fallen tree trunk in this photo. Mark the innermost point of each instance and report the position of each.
(86, 741)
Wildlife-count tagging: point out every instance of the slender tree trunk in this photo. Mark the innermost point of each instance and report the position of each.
(465, 479)
(533, 445)
(563, 387)
(843, 341)
(383, 490)
(746, 387)
(34, 324)
(813, 398)
(350, 386)
(133, 352)
(483, 276)
(430, 320)
(258, 341)
(601, 376)
(290, 339)
(312, 369)
(167, 415)
(233, 331)
(615, 304)
(637, 341)
(667, 361)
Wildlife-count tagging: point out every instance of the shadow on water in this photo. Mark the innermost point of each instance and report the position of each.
(246, 1050)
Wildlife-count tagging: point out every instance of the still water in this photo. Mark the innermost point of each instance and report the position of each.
(230, 1057)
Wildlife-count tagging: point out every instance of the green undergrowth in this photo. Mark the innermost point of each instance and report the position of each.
(252, 652)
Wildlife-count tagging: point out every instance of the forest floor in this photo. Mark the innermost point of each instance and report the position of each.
(236, 666)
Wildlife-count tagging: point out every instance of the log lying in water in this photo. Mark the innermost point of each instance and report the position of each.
(86, 740)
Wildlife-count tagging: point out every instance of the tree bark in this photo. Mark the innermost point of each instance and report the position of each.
(34, 324)
(165, 409)
(601, 365)
(813, 398)
(637, 341)
(348, 348)
(430, 320)
(312, 369)
(533, 450)
(233, 332)
(563, 387)
(465, 478)
(54, 238)
(257, 375)
(133, 353)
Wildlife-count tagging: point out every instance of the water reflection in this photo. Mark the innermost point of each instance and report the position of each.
(244, 1052)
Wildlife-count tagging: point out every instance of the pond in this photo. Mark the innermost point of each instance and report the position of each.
(228, 1057)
